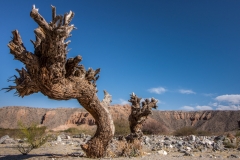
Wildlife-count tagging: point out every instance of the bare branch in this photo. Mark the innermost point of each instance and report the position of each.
(39, 19)
(53, 13)
(20, 53)
(139, 114)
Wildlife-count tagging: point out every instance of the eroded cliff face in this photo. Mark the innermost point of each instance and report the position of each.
(79, 118)
(213, 121)
(194, 117)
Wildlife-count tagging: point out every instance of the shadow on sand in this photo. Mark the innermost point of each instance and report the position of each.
(32, 156)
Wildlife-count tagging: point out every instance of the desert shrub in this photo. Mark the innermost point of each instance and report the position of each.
(185, 131)
(203, 133)
(132, 149)
(72, 131)
(81, 129)
(126, 149)
(237, 134)
(13, 133)
(229, 145)
(34, 137)
(153, 127)
(122, 127)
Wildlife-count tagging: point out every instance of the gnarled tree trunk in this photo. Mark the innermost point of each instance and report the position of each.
(138, 116)
(48, 71)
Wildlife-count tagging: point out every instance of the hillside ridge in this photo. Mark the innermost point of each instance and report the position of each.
(215, 121)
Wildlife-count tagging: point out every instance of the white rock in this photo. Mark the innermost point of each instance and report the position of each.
(192, 137)
(162, 152)
(59, 139)
(207, 141)
(188, 148)
(147, 153)
(3, 138)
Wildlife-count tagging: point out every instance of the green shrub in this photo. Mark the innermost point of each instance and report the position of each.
(34, 137)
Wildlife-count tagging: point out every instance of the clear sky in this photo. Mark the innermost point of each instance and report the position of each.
(184, 53)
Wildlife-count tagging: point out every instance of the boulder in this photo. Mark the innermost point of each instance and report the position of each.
(59, 139)
(3, 138)
(192, 137)
(9, 141)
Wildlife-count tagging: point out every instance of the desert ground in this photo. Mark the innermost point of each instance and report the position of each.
(70, 149)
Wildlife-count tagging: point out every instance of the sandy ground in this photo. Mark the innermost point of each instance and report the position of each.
(10, 152)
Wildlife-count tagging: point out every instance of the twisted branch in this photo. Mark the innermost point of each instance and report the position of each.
(139, 114)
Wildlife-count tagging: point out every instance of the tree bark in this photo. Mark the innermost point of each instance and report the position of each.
(138, 116)
(48, 71)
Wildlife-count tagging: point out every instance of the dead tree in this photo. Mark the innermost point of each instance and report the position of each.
(138, 116)
(47, 70)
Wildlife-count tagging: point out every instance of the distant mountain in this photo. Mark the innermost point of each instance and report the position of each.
(213, 121)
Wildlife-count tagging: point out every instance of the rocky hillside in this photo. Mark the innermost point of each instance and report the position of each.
(213, 121)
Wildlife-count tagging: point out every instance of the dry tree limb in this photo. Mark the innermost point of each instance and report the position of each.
(139, 114)
(47, 70)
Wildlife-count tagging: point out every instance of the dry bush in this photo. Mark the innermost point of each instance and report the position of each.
(13, 133)
(203, 133)
(185, 131)
(126, 149)
(237, 134)
(121, 127)
(229, 145)
(81, 129)
(153, 127)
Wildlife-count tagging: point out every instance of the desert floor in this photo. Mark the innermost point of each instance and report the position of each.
(60, 152)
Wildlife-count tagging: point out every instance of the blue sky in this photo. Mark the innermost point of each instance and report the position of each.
(184, 53)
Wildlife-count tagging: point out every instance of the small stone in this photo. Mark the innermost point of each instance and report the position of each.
(162, 152)
(234, 156)
(182, 150)
(192, 137)
(188, 148)
(187, 153)
(146, 153)
(59, 139)
(9, 141)
(20, 141)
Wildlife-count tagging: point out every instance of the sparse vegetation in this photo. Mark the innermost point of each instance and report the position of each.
(153, 127)
(229, 145)
(79, 130)
(186, 131)
(237, 134)
(14, 133)
(121, 127)
(203, 133)
(34, 137)
(126, 149)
